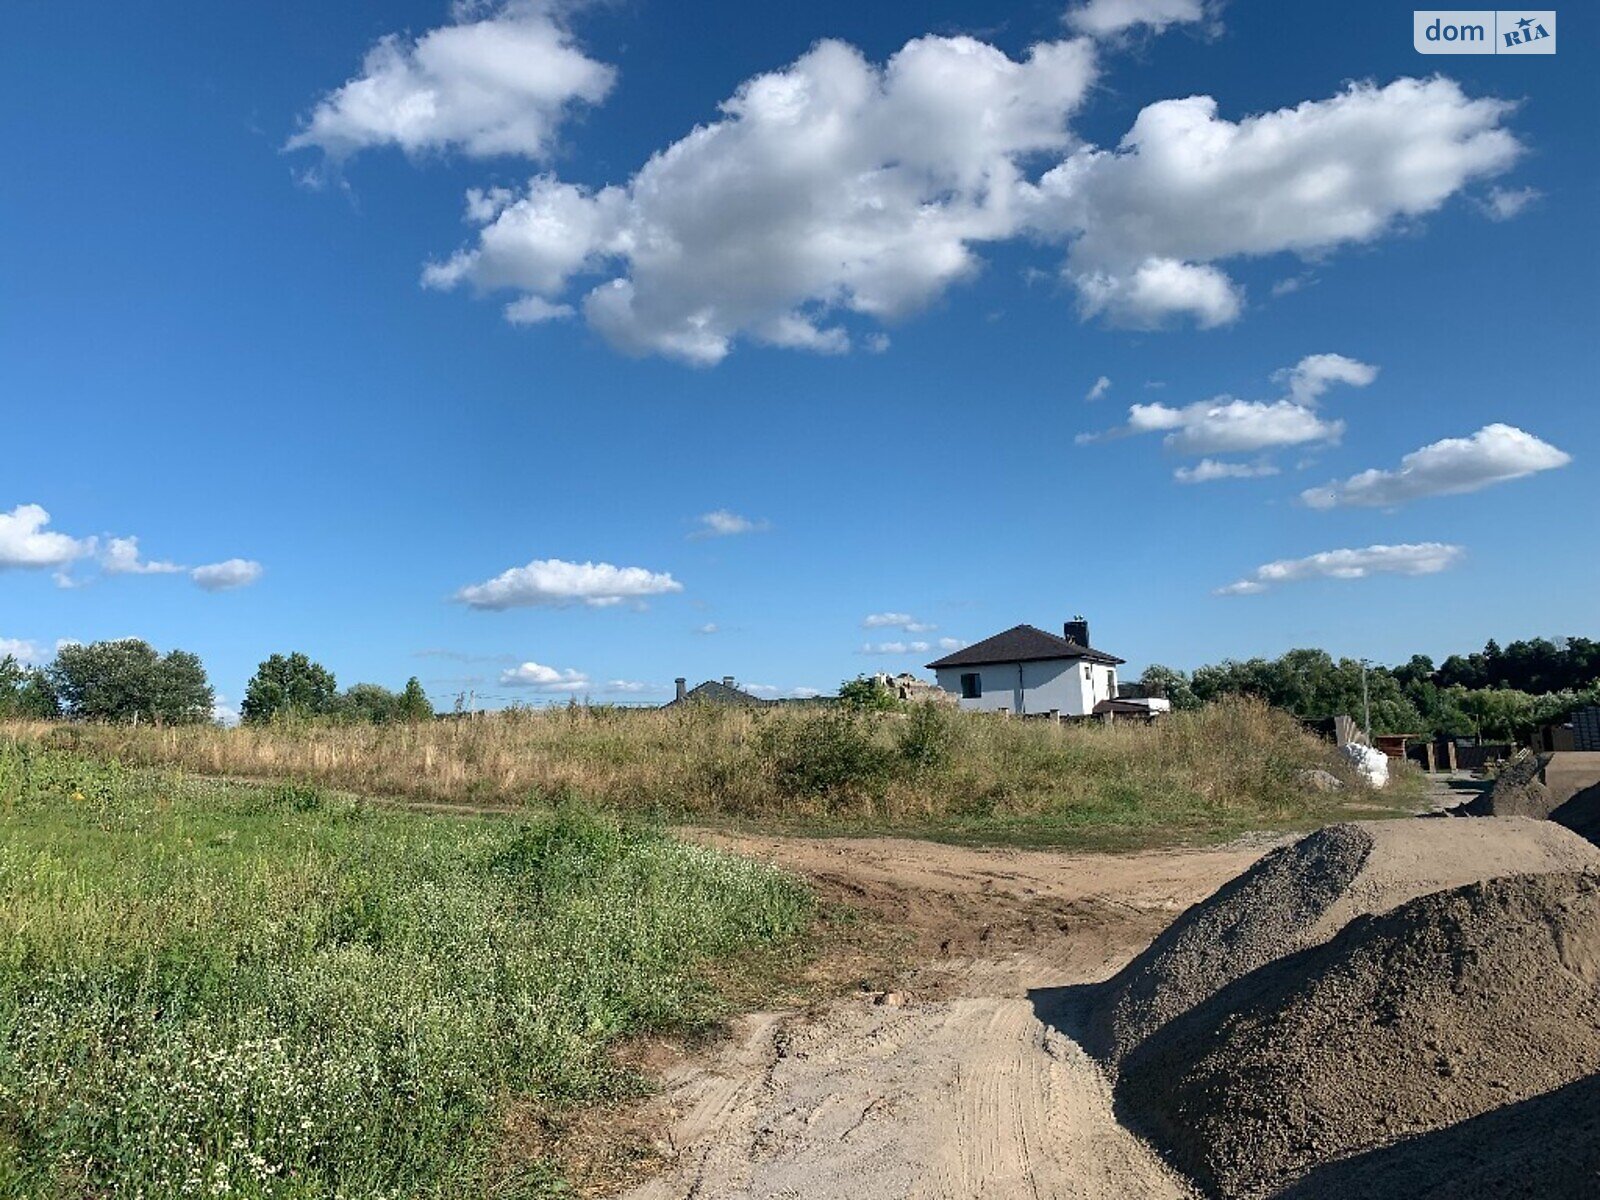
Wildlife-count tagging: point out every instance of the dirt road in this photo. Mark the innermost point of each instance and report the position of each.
(962, 1079)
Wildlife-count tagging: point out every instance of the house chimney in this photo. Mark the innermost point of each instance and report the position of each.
(727, 681)
(1076, 630)
(683, 687)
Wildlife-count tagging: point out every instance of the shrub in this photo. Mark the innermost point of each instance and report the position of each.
(829, 755)
(927, 739)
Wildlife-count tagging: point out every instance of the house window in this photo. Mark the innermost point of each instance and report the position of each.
(971, 686)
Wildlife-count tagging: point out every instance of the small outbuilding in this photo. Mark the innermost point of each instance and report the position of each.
(1027, 671)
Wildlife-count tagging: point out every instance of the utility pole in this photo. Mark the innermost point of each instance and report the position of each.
(1366, 704)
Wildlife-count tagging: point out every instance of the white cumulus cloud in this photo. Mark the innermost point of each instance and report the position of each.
(554, 583)
(896, 620)
(1187, 188)
(1102, 18)
(1495, 454)
(1503, 204)
(121, 556)
(225, 576)
(1314, 374)
(26, 542)
(1209, 470)
(536, 310)
(499, 85)
(1100, 388)
(837, 191)
(1420, 558)
(1146, 294)
(831, 186)
(541, 678)
(724, 523)
(895, 647)
(1226, 424)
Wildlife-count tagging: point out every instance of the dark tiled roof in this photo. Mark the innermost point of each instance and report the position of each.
(1022, 644)
(713, 692)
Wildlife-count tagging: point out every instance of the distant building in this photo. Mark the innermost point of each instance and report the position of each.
(726, 693)
(1028, 671)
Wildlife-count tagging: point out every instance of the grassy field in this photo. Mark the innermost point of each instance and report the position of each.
(1229, 766)
(223, 990)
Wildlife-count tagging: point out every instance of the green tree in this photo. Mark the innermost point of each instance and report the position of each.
(414, 704)
(128, 681)
(288, 685)
(368, 703)
(1500, 712)
(1169, 683)
(25, 691)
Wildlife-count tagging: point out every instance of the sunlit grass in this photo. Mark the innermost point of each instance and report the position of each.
(1228, 765)
(211, 989)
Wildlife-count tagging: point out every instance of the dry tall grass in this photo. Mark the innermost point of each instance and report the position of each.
(1235, 757)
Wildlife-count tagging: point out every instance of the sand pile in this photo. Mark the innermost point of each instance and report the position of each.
(1302, 895)
(1437, 1012)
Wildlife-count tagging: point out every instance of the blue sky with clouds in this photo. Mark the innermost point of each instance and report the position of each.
(564, 349)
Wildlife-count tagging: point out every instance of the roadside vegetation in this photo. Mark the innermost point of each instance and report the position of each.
(215, 989)
(929, 769)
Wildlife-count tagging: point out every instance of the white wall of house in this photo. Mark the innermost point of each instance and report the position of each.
(1069, 685)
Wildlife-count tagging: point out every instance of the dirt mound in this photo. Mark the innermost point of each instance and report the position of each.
(1402, 1025)
(1303, 894)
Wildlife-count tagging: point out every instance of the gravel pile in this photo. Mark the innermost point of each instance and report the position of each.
(1447, 1008)
(1563, 787)
(1518, 792)
(1302, 895)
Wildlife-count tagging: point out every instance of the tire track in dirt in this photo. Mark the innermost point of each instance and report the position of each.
(950, 1087)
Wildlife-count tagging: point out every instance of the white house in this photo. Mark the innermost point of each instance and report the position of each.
(1026, 670)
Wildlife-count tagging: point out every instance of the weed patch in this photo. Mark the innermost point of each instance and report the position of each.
(224, 990)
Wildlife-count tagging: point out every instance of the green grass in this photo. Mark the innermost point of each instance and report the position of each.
(212, 989)
(1232, 764)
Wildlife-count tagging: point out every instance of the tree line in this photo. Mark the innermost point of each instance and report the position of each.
(1496, 693)
(127, 681)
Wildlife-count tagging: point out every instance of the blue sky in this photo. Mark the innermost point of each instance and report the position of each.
(861, 310)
